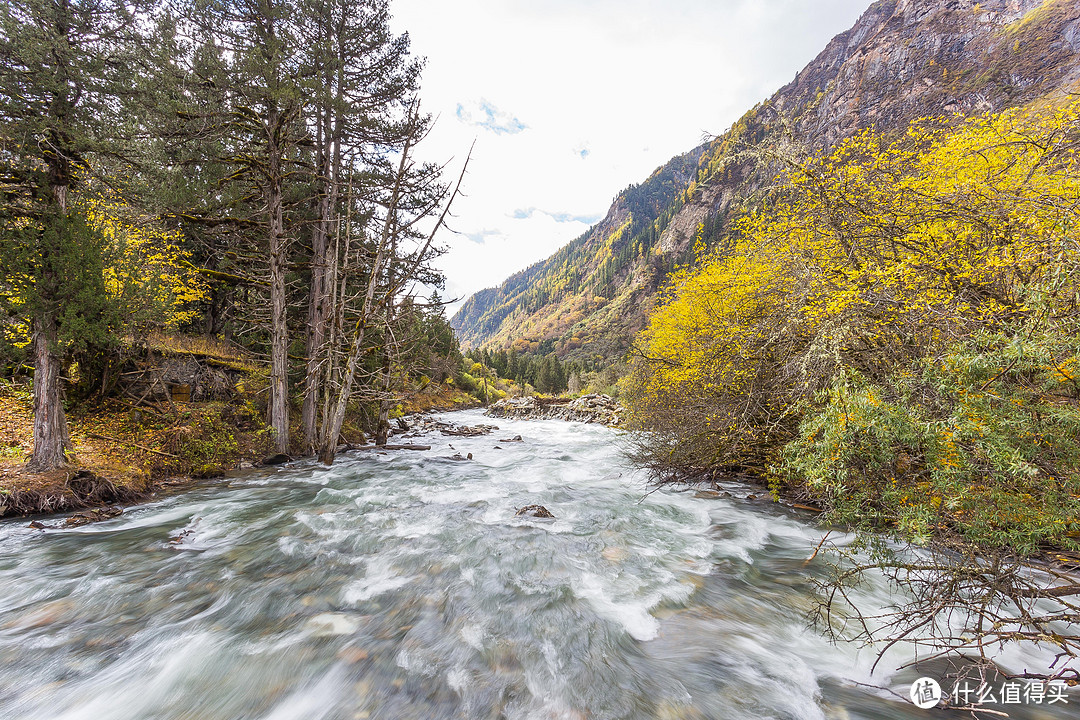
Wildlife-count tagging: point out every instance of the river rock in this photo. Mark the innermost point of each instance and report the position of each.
(279, 459)
(535, 511)
(330, 624)
(466, 431)
(43, 615)
(615, 553)
(352, 655)
(97, 515)
(602, 409)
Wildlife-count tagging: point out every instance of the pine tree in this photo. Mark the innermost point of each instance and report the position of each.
(61, 76)
(263, 124)
(359, 81)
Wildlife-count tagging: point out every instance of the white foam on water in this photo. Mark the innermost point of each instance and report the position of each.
(380, 578)
(473, 635)
(468, 493)
(458, 680)
(164, 671)
(411, 662)
(632, 615)
(198, 534)
(290, 545)
(167, 512)
(751, 533)
(551, 657)
(420, 528)
(311, 702)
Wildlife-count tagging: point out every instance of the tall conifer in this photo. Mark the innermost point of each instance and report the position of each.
(61, 68)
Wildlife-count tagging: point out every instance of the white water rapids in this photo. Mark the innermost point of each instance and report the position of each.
(401, 585)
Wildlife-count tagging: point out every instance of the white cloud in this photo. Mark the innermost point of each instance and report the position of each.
(484, 115)
(570, 101)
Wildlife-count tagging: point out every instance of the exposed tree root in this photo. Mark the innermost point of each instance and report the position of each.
(81, 490)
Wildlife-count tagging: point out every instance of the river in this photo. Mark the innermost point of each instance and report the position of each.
(401, 585)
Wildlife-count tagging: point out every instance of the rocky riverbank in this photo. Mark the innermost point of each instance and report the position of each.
(123, 453)
(602, 409)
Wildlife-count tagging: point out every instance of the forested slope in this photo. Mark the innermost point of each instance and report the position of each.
(900, 61)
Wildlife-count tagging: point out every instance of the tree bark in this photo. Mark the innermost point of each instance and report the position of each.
(384, 255)
(382, 427)
(279, 335)
(321, 282)
(50, 425)
(332, 424)
(316, 321)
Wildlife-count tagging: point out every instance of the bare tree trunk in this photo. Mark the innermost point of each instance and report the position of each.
(322, 281)
(279, 334)
(382, 430)
(316, 321)
(382, 427)
(383, 256)
(50, 425)
(339, 258)
(332, 428)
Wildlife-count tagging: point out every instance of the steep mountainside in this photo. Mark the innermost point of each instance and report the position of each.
(903, 59)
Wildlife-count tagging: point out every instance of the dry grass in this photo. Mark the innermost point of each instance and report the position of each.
(438, 397)
(99, 457)
(127, 450)
(201, 345)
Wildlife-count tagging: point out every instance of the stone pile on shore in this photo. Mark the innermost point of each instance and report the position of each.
(601, 409)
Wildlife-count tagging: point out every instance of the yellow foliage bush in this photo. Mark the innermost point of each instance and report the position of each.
(705, 378)
(897, 338)
(147, 273)
(883, 252)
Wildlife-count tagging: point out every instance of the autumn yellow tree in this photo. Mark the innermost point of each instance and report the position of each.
(133, 279)
(877, 255)
(896, 337)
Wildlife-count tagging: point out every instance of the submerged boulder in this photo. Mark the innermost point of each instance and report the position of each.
(534, 511)
(331, 624)
(279, 459)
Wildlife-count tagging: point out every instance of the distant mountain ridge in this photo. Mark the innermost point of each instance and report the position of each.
(903, 59)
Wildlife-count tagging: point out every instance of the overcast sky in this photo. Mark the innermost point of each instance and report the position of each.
(570, 101)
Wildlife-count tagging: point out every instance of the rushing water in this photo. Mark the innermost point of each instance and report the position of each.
(401, 585)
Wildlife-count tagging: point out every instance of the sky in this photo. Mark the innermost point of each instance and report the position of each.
(571, 101)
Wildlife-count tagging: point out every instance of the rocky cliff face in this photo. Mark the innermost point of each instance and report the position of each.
(903, 59)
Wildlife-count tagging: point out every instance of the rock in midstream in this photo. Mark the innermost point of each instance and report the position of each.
(602, 409)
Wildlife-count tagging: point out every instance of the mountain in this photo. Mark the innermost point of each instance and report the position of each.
(903, 59)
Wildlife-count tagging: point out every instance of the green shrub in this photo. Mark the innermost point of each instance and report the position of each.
(978, 443)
